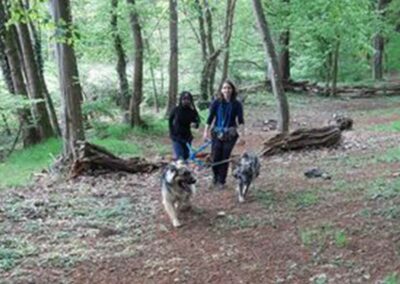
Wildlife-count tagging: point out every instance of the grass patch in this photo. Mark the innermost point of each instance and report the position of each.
(393, 278)
(391, 155)
(322, 236)
(385, 189)
(12, 251)
(17, 169)
(387, 127)
(266, 198)
(119, 147)
(302, 199)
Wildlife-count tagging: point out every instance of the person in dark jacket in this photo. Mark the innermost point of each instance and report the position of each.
(181, 119)
(223, 125)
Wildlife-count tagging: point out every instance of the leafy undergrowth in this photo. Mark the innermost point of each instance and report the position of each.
(113, 229)
(120, 139)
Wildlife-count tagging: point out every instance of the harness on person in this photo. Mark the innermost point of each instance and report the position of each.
(194, 153)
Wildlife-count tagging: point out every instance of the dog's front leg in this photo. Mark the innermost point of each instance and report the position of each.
(239, 190)
(171, 211)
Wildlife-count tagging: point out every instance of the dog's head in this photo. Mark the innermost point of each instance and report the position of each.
(247, 167)
(178, 173)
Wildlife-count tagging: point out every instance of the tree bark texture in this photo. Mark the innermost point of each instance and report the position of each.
(35, 89)
(229, 15)
(173, 57)
(136, 99)
(30, 134)
(93, 159)
(276, 80)
(71, 92)
(37, 46)
(302, 138)
(379, 44)
(123, 93)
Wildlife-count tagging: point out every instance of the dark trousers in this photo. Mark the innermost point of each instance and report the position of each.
(221, 150)
(181, 150)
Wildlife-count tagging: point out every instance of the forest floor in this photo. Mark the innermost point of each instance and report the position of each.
(291, 229)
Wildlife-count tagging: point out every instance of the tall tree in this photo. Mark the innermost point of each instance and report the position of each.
(230, 12)
(284, 55)
(134, 106)
(71, 92)
(173, 57)
(29, 131)
(35, 36)
(276, 80)
(379, 43)
(35, 88)
(209, 52)
(123, 96)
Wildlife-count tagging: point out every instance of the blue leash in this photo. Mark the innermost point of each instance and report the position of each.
(193, 152)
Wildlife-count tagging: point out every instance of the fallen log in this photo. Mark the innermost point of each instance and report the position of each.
(92, 158)
(314, 88)
(302, 138)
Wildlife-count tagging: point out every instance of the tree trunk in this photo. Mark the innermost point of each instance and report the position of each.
(379, 45)
(71, 92)
(173, 59)
(284, 55)
(302, 138)
(230, 12)
(134, 105)
(335, 67)
(35, 89)
(36, 39)
(277, 86)
(5, 66)
(152, 75)
(30, 134)
(202, 32)
(123, 94)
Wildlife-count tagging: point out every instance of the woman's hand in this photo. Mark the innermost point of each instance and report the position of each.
(206, 134)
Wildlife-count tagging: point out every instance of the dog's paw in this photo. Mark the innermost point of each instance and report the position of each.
(176, 224)
(241, 199)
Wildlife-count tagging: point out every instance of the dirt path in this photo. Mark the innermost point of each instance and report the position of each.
(112, 229)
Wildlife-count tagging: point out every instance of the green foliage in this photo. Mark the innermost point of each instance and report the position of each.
(393, 278)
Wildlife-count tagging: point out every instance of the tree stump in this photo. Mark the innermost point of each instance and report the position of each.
(92, 158)
(302, 138)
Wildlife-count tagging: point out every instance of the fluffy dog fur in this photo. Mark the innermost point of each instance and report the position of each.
(177, 187)
(247, 169)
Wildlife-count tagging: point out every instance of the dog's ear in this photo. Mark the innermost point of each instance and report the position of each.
(170, 173)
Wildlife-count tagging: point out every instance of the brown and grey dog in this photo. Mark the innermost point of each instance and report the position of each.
(247, 169)
(177, 187)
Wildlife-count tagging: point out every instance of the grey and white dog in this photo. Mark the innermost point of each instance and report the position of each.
(247, 169)
(177, 187)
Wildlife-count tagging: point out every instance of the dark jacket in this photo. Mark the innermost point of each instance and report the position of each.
(179, 123)
(229, 113)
